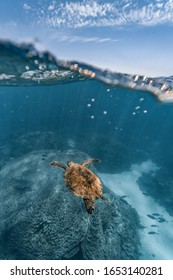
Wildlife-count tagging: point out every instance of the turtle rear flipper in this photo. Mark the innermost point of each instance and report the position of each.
(89, 204)
(59, 164)
(90, 161)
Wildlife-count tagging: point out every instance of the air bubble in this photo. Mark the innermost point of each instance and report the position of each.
(27, 68)
(145, 111)
(137, 107)
(88, 105)
(105, 112)
(92, 117)
(92, 99)
(42, 67)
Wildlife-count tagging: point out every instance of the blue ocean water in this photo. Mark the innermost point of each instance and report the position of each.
(51, 108)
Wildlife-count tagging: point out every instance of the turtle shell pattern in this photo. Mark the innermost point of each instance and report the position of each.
(83, 182)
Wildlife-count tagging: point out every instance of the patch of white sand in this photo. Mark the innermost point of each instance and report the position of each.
(156, 240)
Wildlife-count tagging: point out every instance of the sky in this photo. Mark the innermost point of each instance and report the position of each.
(128, 36)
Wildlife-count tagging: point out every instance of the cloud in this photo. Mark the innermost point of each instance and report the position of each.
(26, 7)
(89, 13)
(74, 39)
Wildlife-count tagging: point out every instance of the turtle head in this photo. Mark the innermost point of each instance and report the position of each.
(70, 163)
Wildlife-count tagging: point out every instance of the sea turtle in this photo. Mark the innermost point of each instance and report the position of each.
(83, 182)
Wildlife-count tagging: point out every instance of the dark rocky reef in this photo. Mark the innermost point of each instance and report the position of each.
(115, 156)
(41, 219)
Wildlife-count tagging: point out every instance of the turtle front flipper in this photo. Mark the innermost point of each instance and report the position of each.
(89, 204)
(59, 164)
(90, 161)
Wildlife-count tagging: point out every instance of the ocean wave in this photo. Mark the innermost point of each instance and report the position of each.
(24, 65)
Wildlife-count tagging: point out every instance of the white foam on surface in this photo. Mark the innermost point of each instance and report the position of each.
(157, 242)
